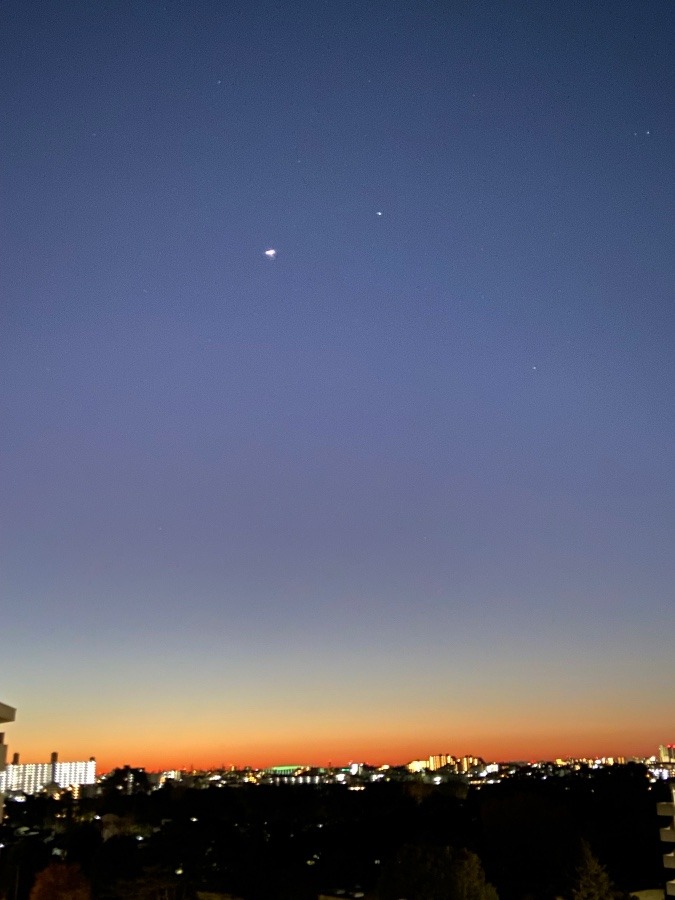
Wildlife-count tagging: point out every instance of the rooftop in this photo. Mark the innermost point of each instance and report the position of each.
(7, 713)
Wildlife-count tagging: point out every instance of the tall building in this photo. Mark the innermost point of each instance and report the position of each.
(29, 778)
(667, 754)
(7, 714)
(439, 760)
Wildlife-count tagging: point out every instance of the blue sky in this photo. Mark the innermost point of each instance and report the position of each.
(417, 469)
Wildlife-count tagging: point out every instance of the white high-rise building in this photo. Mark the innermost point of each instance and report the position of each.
(29, 778)
(7, 714)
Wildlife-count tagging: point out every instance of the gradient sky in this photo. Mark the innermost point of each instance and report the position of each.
(408, 487)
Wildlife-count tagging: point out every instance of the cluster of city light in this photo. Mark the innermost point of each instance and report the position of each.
(30, 778)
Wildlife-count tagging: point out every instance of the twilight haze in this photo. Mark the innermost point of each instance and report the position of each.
(338, 376)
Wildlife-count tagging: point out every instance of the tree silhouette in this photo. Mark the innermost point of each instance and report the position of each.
(20, 865)
(435, 873)
(60, 881)
(593, 882)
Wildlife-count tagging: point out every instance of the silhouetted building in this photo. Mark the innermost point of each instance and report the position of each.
(668, 837)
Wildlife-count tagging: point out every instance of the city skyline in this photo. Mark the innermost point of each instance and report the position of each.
(303, 758)
(338, 367)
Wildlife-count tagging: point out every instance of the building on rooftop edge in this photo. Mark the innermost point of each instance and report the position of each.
(7, 714)
(668, 837)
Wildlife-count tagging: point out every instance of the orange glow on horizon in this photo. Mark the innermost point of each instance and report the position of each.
(156, 760)
(338, 739)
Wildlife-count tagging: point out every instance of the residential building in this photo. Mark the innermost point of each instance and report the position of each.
(668, 837)
(7, 714)
(30, 778)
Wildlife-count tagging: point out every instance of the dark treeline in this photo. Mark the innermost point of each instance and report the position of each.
(278, 843)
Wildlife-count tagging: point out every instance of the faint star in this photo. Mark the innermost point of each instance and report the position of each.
(271, 253)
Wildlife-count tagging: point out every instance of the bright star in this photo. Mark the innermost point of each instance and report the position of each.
(271, 253)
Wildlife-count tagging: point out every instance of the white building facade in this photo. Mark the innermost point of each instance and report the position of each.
(30, 778)
(7, 714)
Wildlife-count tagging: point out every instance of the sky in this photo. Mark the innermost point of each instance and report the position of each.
(405, 486)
